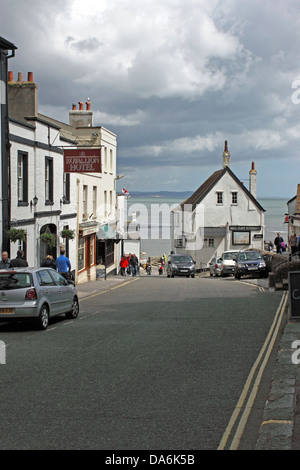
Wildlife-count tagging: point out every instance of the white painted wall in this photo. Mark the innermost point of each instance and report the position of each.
(244, 213)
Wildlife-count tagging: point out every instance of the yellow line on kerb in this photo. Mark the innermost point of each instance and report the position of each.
(276, 421)
(265, 350)
(107, 290)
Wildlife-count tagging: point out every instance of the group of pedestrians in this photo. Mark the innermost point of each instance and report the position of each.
(61, 264)
(18, 262)
(129, 265)
(294, 244)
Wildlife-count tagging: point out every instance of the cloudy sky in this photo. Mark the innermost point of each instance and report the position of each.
(173, 79)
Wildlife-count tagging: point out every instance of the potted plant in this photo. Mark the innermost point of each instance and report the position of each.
(67, 233)
(49, 238)
(15, 234)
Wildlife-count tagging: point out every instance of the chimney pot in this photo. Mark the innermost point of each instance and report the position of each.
(10, 76)
(80, 105)
(252, 181)
(74, 107)
(20, 76)
(226, 155)
(88, 105)
(30, 77)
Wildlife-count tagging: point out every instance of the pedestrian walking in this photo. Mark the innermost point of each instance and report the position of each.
(49, 262)
(63, 265)
(293, 243)
(5, 262)
(123, 265)
(134, 264)
(278, 243)
(19, 261)
(148, 268)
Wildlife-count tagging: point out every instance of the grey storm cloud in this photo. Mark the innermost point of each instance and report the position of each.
(173, 80)
(83, 45)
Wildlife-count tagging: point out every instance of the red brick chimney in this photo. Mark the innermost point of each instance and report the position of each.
(81, 117)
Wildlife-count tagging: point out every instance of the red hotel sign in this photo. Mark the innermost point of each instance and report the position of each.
(82, 160)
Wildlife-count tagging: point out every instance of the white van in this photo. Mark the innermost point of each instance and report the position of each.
(228, 263)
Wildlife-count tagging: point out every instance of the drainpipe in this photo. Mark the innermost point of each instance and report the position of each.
(77, 229)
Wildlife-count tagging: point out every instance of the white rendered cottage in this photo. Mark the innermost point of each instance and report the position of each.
(221, 215)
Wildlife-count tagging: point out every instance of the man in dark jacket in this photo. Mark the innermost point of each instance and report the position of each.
(19, 261)
(277, 242)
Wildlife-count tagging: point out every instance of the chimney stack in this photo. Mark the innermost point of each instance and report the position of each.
(226, 156)
(22, 97)
(252, 180)
(81, 117)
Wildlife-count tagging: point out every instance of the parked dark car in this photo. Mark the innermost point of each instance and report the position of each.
(250, 262)
(36, 294)
(180, 265)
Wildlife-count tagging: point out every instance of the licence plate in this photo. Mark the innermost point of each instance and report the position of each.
(184, 270)
(7, 310)
(252, 268)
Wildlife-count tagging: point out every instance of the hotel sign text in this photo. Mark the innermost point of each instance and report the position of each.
(82, 160)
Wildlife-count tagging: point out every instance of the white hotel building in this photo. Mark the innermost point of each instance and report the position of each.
(45, 199)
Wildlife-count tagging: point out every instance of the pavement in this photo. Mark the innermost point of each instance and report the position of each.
(280, 428)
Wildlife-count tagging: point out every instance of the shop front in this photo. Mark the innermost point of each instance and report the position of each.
(86, 252)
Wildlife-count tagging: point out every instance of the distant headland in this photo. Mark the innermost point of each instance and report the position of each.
(165, 194)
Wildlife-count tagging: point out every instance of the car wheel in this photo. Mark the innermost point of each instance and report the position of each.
(75, 309)
(42, 321)
(237, 276)
(193, 276)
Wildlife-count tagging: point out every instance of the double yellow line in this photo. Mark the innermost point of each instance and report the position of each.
(88, 297)
(264, 354)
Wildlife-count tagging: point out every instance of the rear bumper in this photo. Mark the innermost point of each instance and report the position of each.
(228, 269)
(29, 310)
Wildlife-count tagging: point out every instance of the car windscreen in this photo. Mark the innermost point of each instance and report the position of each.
(12, 280)
(252, 255)
(230, 255)
(182, 259)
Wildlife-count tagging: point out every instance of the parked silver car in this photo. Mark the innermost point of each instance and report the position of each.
(215, 266)
(36, 294)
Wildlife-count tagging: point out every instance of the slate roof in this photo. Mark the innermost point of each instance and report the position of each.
(208, 185)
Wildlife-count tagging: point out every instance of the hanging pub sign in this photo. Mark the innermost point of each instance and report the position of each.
(82, 160)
